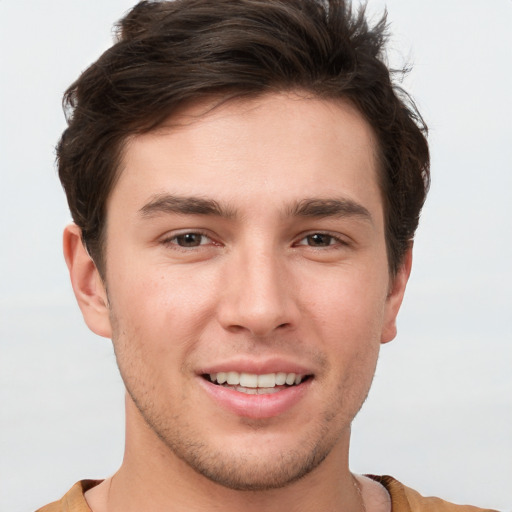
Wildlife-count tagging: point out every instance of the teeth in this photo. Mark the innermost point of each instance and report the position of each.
(248, 391)
(233, 378)
(290, 379)
(280, 379)
(248, 380)
(257, 391)
(252, 383)
(267, 381)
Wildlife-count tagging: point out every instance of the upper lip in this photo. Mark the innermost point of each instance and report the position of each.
(255, 366)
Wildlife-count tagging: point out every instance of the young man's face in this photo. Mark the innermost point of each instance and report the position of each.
(248, 244)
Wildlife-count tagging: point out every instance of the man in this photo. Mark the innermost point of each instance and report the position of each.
(245, 183)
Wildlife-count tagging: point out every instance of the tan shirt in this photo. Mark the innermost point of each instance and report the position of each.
(403, 499)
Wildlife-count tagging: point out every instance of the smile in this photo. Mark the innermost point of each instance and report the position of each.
(255, 384)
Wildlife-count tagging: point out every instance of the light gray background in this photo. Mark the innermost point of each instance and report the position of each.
(439, 416)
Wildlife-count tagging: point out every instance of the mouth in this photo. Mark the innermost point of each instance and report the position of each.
(256, 384)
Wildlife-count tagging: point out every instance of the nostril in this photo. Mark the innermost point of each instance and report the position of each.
(235, 328)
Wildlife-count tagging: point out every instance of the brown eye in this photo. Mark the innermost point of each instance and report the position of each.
(319, 240)
(190, 240)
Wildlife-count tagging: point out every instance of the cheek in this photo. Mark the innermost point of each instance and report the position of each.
(157, 296)
(159, 318)
(348, 304)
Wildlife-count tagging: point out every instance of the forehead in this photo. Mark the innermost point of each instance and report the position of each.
(273, 146)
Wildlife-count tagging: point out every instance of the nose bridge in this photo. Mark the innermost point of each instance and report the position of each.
(257, 296)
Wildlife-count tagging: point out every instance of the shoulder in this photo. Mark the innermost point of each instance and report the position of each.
(73, 500)
(404, 499)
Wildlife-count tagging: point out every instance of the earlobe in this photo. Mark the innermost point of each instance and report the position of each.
(395, 297)
(87, 284)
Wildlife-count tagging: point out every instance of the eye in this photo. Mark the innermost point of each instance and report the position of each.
(320, 240)
(189, 240)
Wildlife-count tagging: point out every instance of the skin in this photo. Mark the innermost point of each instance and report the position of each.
(261, 280)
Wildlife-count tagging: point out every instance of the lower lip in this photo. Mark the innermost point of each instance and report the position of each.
(256, 406)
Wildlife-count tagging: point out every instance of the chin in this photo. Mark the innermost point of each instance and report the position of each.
(253, 472)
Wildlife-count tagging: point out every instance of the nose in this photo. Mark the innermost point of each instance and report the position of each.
(258, 295)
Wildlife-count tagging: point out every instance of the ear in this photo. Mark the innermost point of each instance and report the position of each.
(87, 284)
(395, 297)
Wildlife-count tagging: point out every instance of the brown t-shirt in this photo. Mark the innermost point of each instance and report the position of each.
(403, 499)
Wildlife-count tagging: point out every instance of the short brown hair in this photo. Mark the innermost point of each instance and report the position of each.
(171, 52)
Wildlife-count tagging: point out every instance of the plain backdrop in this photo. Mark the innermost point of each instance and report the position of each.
(440, 413)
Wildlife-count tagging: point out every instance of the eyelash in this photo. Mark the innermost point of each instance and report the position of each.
(172, 240)
(334, 240)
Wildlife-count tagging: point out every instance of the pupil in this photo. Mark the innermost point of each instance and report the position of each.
(319, 240)
(189, 240)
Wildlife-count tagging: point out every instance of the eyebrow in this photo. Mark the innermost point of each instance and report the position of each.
(310, 207)
(169, 204)
(319, 208)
